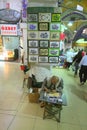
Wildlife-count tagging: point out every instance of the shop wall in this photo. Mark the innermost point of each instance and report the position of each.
(44, 27)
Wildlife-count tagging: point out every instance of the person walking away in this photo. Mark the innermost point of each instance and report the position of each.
(76, 61)
(69, 58)
(83, 69)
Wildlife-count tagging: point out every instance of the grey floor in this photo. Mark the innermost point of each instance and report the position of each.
(17, 113)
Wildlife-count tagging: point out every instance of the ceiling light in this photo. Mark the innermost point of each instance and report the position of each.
(80, 8)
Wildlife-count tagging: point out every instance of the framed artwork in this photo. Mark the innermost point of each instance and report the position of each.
(56, 17)
(33, 51)
(54, 35)
(53, 51)
(43, 52)
(32, 34)
(45, 35)
(43, 26)
(32, 26)
(44, 17)
(33, 43)
(55, 26)
(53, 59)
(54, 44)
(32, 17)
(43, 59)
(33, 58)
(43, 43)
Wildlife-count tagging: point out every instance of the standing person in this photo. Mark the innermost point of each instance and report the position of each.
(69, 58)
(83, 69)
(76, 61)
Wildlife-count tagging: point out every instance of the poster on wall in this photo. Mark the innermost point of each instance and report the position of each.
(44, 29)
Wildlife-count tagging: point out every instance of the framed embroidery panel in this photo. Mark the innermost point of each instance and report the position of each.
(56, 17)
(53, 51)
(45, 35)
(33, 51)
(32, 34)
(54, 35)
(55, 26)
(43, 52)
(33, 26)
(32, 17)
(53, 59)
(33, 58)
(33, 43)
(44, 17)
(43, 59)
(43, 43)
(54, 44)
(43, 26)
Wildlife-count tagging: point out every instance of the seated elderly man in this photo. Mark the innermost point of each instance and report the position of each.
(52, 84)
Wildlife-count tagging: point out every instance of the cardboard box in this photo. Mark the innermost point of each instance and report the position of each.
(34, 97)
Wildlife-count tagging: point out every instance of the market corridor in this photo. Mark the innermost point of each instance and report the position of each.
(16, 113)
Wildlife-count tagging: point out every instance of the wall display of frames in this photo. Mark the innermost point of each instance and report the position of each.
(54, 35)
(43, 52)
(33, 58)
(32, 26)
(55, 26)
(43, 59)
(33, 43)
(32, 34)
(43, 26)
(55, 17)
(33, 51)
(53, 59)
(43, 43)
(45, 35)
(32, 17)
(54, 44)
(44, 17)
(53, 51)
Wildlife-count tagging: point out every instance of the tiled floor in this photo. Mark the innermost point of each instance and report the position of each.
(16, 113)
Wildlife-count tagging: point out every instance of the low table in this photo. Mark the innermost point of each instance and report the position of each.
(53, 106)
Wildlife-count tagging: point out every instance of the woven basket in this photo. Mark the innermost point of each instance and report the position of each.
(33, 97)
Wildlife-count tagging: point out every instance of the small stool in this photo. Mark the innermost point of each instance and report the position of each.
(25, 79)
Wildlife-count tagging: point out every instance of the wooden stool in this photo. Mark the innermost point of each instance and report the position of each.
(25, 79)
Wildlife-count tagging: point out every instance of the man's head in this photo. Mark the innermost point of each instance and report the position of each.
(54, 79)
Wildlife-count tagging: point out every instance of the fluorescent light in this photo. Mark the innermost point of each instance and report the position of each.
(80, 8)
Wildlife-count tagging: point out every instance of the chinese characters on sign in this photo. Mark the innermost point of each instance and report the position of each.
(8, 29)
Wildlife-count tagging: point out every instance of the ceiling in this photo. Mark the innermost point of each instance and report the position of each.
(69, 12)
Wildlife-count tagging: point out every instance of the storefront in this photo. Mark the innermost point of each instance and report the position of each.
(9, 42)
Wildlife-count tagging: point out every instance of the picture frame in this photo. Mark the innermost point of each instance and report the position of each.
(32, 34)
(32, 17)
(32, 26)
(33, 58)
(55, 17)
(33, 51)
(54, 44)
(43, 43)
(43, 52)
(55, 26)
(44, 35)
(53, 59)
(43, 26)
(43, 59)
(33, 43)
(53, 51)
(44, 17)
(54, 35)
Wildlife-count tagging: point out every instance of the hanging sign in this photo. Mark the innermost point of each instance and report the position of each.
(8, 29)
